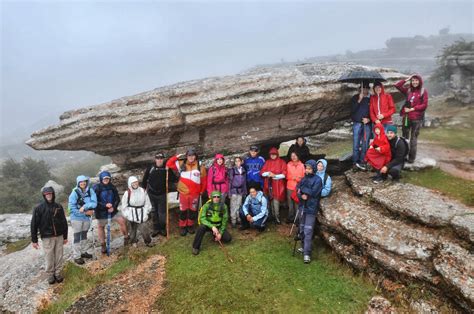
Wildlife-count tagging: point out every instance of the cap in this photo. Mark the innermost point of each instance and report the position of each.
(254, 148)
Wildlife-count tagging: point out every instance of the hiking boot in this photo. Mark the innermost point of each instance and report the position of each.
(361, 166)
(155, 233)
(126, 241)
(300, 250)
(243, 227)
(59, 278)
(86, 255)
(103, 248)
(163, 233)
(79, 261)
(195, 251)
(149, 244)
(183, 232)
(260, 229)
(51, 280)
(234, 225)
(191, 230)
(307, 259)
(378, 180)
(277, 221)
(409, 161)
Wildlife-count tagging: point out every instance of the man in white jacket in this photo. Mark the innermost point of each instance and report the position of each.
(136, 208)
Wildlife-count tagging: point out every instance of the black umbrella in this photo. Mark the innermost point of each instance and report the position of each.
(362, 76)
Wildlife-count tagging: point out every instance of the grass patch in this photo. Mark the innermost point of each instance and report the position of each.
(456, 138)
(17, 245)
(436, 179)
(335, 149)
(264, 277)
(78, 281)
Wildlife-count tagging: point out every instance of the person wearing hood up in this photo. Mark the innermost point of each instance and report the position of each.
(192, 183)
(217, 177)
(49, 219)
(136, 208)
(254, 212)
(381, 106)
(213, 217)
(379, 153)
(300, 148)
(309, 194)
(413, 110)
(82, 203)
(108, 200)
(274, 173)
(326, 179)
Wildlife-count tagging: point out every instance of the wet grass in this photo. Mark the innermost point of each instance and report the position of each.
(436, 179)
(264, 277)
(455, 138)
(17, 245)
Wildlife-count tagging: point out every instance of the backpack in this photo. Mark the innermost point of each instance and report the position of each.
(221, 211)
(129, 192)
(80, 199)
(213, 176)
(407, 146)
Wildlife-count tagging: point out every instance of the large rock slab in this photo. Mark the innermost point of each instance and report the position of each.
(14, 227)
(267, 105)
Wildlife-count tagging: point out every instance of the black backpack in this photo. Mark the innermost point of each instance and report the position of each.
(407, 146)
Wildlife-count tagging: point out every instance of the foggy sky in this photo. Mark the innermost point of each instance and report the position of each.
(57, 56)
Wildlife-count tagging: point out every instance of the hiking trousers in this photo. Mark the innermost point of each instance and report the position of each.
(201, 231)
(80, 228)
(411, 132)
(53, 255)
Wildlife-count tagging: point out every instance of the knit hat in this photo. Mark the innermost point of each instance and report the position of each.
(160, 156)
(392, 128)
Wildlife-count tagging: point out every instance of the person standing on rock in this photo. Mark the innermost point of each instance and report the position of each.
(295, 170)
(300, 148)
(379, 153)
(309, 193)
(361, 127)
(413, 111)
(82, 203)
(253, 164)
(213, 217)
(237, 189)
(254, 212)
(192, 183)
(399, 150)
(381, 106)
(136, 208)
(49, 219)
(108, 200)
(217, 177)
(274, 172)
(154, 182)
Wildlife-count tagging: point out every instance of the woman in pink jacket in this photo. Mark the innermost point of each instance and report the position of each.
(295, 172)
(217, 177)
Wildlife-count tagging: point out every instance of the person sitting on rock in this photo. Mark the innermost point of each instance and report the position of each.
(192, 183)
(378, 154)
(254, 212)
(49, 219)
(361, 126)
(413, 110)
(274, 174)
(309, 193)
(82, 203)
(295, 172)
(300, 148)
(217, 177)
(108, 200)
(154, 182)
(322, 173)
(213, 217)
(237, 189)
(399, 150)
(381, 106)
(136, 208)
(253, 164)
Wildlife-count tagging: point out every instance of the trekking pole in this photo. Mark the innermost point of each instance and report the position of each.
(109, 220)
(225, 251)
(294, 222)
(167, 208)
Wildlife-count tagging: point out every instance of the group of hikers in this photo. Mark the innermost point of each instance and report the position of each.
(254, 187)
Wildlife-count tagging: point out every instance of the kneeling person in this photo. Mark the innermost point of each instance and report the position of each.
(254, 212)
(213, 217)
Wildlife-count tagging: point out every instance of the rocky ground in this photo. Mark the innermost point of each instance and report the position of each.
(405, 232)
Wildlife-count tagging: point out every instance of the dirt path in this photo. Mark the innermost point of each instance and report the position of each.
(135, 291)
(459, 163)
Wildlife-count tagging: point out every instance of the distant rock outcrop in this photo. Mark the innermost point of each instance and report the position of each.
(267, 105)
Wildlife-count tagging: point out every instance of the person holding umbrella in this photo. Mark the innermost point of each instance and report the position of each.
(361, 126)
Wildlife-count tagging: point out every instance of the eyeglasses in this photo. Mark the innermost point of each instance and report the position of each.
(216, 197)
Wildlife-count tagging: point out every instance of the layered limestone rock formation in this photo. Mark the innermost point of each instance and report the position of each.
(266, 105)
(407, 232)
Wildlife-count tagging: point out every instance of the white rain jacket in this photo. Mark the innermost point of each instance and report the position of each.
(137, 208)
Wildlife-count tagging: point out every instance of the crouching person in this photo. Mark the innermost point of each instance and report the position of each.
(309, 193)
(254, 211)
(136, 208)
(82, 202)
(399, 151)
(212, 217)
(50, 220)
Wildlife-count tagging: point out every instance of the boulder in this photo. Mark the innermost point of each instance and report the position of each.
(14, 227)
(58, 188)
(421, 164)
(264, 106)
